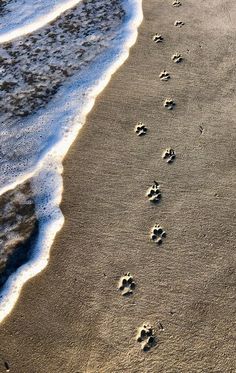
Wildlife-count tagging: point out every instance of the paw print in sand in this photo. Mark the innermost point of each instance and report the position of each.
(177, 58)
(179, 23)
(157, 38)
(126, 284)
(154, 193)
(169, 155)
(164, 75)
(146, 337)
(176, 3)
(169, 104)
(157, 234)
(140, 129)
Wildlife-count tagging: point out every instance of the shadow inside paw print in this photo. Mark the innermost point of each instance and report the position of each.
(164, 75)
(158, 234)
(140, 129)
(169, 104)
(179, 23)
(169, 155)
(154, 193)
(177, 58)
(146, 337)
(176, 3)
(126, 284)
(157, 38)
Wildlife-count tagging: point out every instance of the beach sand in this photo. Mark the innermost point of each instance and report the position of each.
(72, 317)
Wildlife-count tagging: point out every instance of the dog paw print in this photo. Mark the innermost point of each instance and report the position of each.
(179, 23)
(176, 3)
(157, 38)
(126, 284)
(146, 337)
(169, 104)
(177, 58)
(154, 193)
(164, 75)
(157, 234)
(140, 129)
(169, 155)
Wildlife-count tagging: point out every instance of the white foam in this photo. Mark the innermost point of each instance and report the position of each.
(23, 18)
(66, 114)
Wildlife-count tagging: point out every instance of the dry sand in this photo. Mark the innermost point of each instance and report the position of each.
(72, 318)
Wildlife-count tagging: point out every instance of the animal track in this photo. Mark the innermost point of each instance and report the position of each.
(164, 75)
(157, 234)
(126, 284)
(179, 23)
(146, 337)
(154, 193)
(169, 155)
(169, 104)
(157, 38)
(140, 129)
(177, 58)
(176, 3)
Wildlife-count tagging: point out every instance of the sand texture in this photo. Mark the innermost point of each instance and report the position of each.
(79, 315)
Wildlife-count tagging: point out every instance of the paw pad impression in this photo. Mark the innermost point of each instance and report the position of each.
(169, 104)
(157, 38)
(177, 58)
(176, 3)
(154, 193)
(126, 284)
(169, 155)
(140, 129)
(157, 234)
(146, 337)
(164, 75)
(179, 23)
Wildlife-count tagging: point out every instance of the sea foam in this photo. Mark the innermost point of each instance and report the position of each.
(66, 113)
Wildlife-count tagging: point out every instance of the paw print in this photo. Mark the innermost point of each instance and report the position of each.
(126, 284)
(169, 104)
(177, 58)
(157, 38)
(140, 129)
(176, 3)
(164, 75)
(154, 193)
(179, 23)
(169, 155)
(157, 234)
(146, 337)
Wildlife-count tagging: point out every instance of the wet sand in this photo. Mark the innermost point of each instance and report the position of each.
(72, 317)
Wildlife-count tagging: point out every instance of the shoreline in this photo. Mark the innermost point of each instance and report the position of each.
(71, 317)
(78, 97)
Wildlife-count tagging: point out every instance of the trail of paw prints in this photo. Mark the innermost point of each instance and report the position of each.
(176, 3)
(126, 284)
(169, 104)
(177, 58)
(157, 234)
(164, 76)
(140, 129)
(146, 337)
(157, 38)
(169, 155)
(154, 193)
